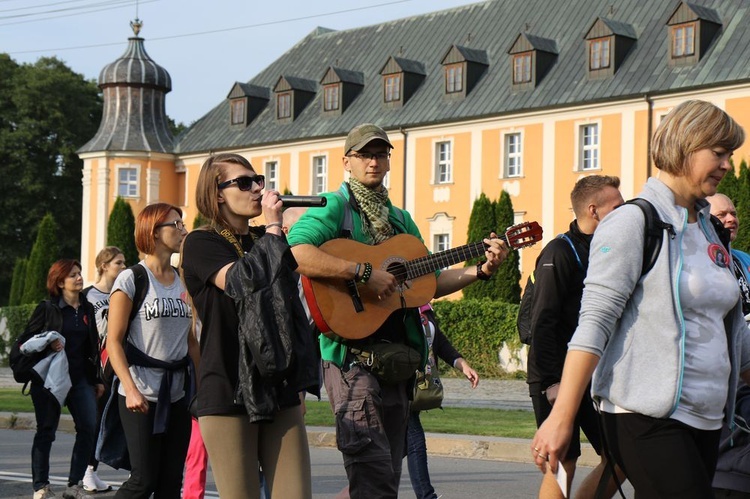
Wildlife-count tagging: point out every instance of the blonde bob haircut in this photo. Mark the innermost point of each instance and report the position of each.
(690, 127)
(207, 188)
(146, 222)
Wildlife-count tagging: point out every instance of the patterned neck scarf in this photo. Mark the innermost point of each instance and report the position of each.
(374, 205)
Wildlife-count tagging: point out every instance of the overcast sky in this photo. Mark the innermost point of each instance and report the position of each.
(205, 45)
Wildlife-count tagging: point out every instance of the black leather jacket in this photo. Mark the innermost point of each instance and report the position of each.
(37, 322)
(277, 344)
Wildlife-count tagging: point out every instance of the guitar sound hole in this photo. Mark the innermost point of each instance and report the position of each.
(398, 270)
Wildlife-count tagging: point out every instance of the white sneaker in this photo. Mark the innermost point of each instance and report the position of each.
(75, 492)
(44, 493)
(92, 482)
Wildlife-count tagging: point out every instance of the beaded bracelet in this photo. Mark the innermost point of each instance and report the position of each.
(367, 273)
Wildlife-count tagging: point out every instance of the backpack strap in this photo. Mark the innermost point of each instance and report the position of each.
(573, 247)
(721, 231)
(140, 277)
(653, 230)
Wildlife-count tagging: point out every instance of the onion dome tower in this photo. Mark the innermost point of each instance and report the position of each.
(131, 155)
(134, 89)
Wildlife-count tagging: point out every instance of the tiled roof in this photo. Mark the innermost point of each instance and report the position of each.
(490, 27)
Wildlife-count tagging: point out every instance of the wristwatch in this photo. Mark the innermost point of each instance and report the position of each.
(480, 273)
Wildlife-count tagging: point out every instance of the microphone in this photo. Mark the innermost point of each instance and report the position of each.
(303, 201)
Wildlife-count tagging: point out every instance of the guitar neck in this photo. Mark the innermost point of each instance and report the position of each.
(430, 263)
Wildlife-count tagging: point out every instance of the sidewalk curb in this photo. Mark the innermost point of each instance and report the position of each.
(438, 444)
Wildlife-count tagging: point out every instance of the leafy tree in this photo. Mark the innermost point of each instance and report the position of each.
(506, 281)
(481, 223)
(43, 254)
(19, 278)
(176, 128)
(121, 230)
(46, 113)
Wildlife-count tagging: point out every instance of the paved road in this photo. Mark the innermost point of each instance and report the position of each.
(452, 477)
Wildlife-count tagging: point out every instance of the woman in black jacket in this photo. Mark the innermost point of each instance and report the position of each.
(70, 314)
(240, 385)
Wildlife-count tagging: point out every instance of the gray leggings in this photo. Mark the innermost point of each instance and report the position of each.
(237, 447)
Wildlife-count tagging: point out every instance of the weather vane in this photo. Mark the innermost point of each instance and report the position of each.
(136, 23)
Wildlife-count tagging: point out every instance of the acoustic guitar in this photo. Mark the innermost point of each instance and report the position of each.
(352, 311)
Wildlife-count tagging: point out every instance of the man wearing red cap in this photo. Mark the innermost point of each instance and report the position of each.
(371, 412)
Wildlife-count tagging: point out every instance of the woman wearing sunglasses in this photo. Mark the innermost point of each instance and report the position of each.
(150, 357)
(244, 290)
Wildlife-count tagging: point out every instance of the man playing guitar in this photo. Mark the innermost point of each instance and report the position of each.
(371, 414)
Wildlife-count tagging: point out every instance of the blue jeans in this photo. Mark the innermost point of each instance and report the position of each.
(81, 403)
(416, 459)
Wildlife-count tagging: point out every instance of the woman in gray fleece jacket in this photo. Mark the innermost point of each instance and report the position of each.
(664, 348)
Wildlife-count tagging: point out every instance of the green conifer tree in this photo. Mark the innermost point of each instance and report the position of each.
(730, 184)
(16, 285)
(43, 254)
(742, 203)
(121, 230)
(481, 223)
(506, 281)
(200, 221)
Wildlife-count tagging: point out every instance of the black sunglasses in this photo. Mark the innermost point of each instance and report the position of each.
(245, 183)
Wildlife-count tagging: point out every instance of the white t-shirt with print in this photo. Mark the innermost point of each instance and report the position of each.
(159, 330)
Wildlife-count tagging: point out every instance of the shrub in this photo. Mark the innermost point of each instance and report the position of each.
(478, 329)
(17, 284)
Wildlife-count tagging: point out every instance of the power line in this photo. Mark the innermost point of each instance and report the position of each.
(124, 2)
(29, 7)
(66, 9)
(223, 30)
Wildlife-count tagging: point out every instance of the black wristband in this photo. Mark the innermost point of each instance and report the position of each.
(480, 273)
(367, 273)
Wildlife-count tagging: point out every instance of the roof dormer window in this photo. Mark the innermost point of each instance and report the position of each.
(392, 88)
(683, 40)
(401, 79)
(692, 29)
(608, 42)
(522, 68)
(454, 78)
(531, 57)
(599, 53)
(463, 68)
(284, 105)
(238, 111)
(331, 96)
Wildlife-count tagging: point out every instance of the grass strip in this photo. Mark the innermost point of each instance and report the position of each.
(456, 420)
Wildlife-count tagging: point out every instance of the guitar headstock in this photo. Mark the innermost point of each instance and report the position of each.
(523, 235)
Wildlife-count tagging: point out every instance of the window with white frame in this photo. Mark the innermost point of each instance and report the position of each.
(443, 163)
(127, 182)
(320, 174)
(513, 156)
(441, 242)
(588, 147)
(272, 175)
